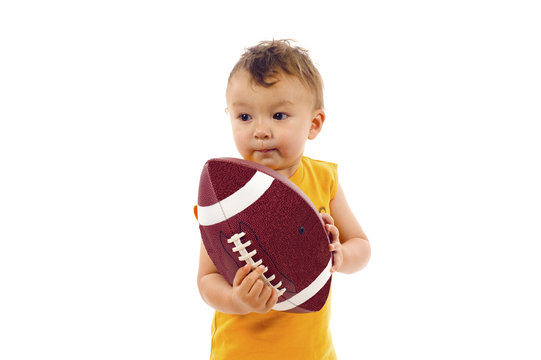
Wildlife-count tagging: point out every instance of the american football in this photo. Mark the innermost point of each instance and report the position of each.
(251, 214)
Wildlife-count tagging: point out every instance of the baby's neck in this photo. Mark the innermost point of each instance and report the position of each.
(289, 171)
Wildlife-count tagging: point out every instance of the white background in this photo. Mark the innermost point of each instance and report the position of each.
(109, 109)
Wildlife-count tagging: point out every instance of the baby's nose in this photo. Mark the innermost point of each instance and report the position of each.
(261, 135)
(262, 131)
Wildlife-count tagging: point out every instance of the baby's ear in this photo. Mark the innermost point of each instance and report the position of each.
(318, 119)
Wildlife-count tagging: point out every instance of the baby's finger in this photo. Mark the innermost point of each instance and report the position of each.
(327, 219)
(249, 281)
(333, 230)
(241, 274)
(272, 299)
(266, 293)
(337, 255)
(256, 289)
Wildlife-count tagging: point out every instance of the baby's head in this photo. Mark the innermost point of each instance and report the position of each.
(275, 102)
(270, 58)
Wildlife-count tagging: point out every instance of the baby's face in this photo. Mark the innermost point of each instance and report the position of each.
(271, 125)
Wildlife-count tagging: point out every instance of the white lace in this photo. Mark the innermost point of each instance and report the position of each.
(246, 256)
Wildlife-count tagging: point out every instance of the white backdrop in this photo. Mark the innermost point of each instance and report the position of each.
(109, 109)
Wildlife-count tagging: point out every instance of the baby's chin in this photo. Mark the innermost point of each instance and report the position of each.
(269, 158)
(275, 163)
(270, 163)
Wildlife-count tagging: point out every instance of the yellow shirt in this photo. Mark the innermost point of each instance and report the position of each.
(281, 335)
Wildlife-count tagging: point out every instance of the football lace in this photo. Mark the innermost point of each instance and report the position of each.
(247, 257)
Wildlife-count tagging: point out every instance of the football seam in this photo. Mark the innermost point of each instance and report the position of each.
(247, 257)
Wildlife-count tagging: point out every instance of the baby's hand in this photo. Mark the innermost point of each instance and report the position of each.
(335, 246)
(250, 293)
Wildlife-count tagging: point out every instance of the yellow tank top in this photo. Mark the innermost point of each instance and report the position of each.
(280, 335)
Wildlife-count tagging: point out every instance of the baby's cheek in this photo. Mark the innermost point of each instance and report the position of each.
(241, 143)
(294, 148)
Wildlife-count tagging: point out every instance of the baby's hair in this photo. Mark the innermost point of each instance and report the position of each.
(270, 57)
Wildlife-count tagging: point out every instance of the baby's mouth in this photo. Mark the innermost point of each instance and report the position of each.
(264, 151)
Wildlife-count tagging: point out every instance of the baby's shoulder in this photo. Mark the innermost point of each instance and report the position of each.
(320, 166)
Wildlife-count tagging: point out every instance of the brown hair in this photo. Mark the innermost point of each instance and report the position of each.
(269, 57)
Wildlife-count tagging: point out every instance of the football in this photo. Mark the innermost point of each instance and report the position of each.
(250, 214)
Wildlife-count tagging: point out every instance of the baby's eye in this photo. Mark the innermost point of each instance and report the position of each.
(244, 117)
(279, 116)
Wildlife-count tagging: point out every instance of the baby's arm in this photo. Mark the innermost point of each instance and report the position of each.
(350, 246)
(248, 293)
